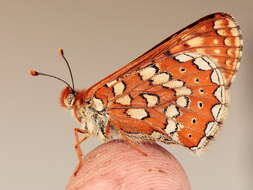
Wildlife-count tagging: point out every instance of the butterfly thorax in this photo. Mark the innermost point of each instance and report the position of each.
(86, 111)
(92, 120)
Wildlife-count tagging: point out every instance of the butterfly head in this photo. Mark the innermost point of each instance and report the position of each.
(68, 97)
(69, 94)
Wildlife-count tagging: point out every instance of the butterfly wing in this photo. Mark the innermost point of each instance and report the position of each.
(216, 35)
(172, 101)
(177, 91)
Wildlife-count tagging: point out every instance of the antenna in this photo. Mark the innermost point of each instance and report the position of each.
(36, 73)
(61, 53)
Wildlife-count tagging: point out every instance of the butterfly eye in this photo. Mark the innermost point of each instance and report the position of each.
(69, 100)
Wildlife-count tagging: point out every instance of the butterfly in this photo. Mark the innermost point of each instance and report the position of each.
(175, 93)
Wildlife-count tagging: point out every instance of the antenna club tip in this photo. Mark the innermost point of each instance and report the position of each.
(34, 73)
(60, 51)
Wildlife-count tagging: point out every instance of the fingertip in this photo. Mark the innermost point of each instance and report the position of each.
(116, 165)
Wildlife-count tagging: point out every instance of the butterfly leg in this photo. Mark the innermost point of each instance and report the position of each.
(133, 145)
(108, 130)
(78, 148)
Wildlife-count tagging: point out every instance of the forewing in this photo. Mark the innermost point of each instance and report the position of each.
(216, 36)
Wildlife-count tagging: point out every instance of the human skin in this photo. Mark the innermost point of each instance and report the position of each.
(117, 166)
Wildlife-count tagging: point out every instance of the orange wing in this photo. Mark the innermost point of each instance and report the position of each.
(216, 35)
(177, 91)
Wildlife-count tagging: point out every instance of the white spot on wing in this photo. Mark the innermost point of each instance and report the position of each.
(218, 112)
(211, 129)
(171, 126)
(240, 53)
(119, 88)
(222, 32)
(172, 111)
(183, 91)
(173, 84)
(202, 64)
(220, 94)
(109, 84)
(98, 104)
(203, 142)
(182, 101)
(194, 148)
(151, 99)
(137, 113)
(228, 41)
(237, 65)
(124, 100)
(216, 77)
(238, 42)
(210, 62)
(217, 51)
(218, 24)
(160, 78)
(241, 42)
(183, 57)
(215, 41)
(197, 41)
(231, 23)
(235, 32)
(147, 72)
(194, 55)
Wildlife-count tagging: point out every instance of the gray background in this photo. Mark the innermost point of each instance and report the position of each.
(36, 138)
